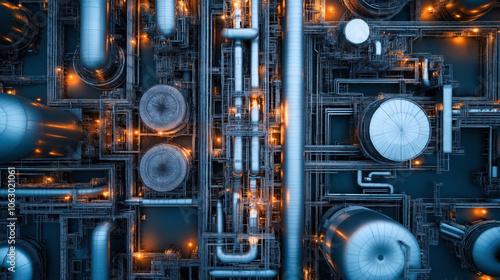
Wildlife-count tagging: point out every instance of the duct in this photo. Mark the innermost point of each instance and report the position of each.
(240, 33)
(137, 201)
(268, 273)
(377, 173)
(24, 264)
(165, 16)
(254, 47)
(378, 48)
(373, 185)
(255, 145)
(93, 33)
(425, 72)
(100, 256)
(247, 257)
(293, 140)
(447, 118)
(54, 192)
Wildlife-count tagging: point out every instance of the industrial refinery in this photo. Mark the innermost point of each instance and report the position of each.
(249, 139)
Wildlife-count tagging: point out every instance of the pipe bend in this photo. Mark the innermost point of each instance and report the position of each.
(372, 185)
(100, 256)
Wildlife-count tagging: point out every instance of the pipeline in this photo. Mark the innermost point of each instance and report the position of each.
(254, 47)
(293, 141)
(373, 185)
(52, 192)
(94, 46)
(137, 201)
(425, 72)
(24, 265)
(100, 256)
(455, 231)
(165, 16)
(240, 33)
(268, 273)
(378, 48)
(247, 257)
(377, 173)
(255, 145)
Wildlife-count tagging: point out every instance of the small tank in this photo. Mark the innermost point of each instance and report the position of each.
(356, 31)
(19, 28)
(464, 10)
(394, 130)
(164, 167)
(29, 260)
(30, 129)
(374, 9)
(164, 108)
(359, 243)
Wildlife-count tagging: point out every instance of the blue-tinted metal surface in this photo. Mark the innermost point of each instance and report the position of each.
(165, 16)
(100, 257)
(93, 33)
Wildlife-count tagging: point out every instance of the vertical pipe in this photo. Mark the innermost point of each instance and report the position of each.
(99, 269)
(165, 16)
(255, 145)
(425, 72)
(293, 140)
(238, 92)
(94, 33)
(447, 118)
(254, 48)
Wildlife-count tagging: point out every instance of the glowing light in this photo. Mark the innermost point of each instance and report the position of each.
(139, 255)
(145, 36)
(430, 9)
(106, 194)
(253, 240)
(190, 244)
(140, 194)
(97, 121)
(475, 30)
(71, 76)
(49, 179)
(219, 139)
(58, 69)
(223, 17)
(484, 211)
(38, 99)
(132, 41)
(9, 92)
(458, 16)
(417, 162)
(136, 132)
(161, 132)
(66, 197)
(38, 150)
(330, 10)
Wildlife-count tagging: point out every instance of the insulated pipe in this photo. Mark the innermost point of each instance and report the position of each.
(94, 33)
(254, 47)
(253, 186)
(165, 16)
(378, 48)
(160, 202)
(255, 145)
(268, 273)
(247, 257)
(425, 72)
(100, 256)
(451, 228)
(293, 140)
(24, 265)
(240, 33)
(373, 185)
(377, 173)
(238, 92)
(53, 192)
(447, 137)
(238, 155)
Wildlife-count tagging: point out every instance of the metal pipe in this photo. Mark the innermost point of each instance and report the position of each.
(425, 72)
(452, 228)
(54, 192)
(100, 256)
(255, 144)
(268, 273)
(24, 267)
(373, 185)
(94, 33)
(247, 257)
(254, 47)
(447, 118)
(238, 155)
(378, 48)
(240, 33)
(165, 16)
(253, 186)
(377, 173)
(160, 202)
(293, 140)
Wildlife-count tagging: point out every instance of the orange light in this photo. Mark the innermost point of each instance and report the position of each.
(49, 179)
(139, 255)
(430, 9)
(475, 30)
(97, 121)
(484, 211)
(71, 76)
(144, 36)
(223, 17)
(38, 150)
(331, 10)
(132, 41)
(161, 132)
(190, 244)
(38, 99)
(106, 194)
(58, 69)
(136, 132)
(9, 92)
(66, 197)
(140, 194)
(417, 162)
(219, 139)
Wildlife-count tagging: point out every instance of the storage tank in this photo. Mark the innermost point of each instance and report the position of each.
(394, 130)
(464, 10)
(164, 108)
(164, 167)
(19, 28)
(374, 9)
(359, 243)
(30, 129)
(356, 31)
(29, 260)
(99, 61)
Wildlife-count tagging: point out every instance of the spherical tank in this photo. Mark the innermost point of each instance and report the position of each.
(464, 10)
(30, 129)
(481, 248)
(374, 9)
(164, 108)
(164, 167)
(394, 130)
(359, 243)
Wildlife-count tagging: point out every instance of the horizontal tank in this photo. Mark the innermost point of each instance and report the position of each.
(374, 9)
(480, 248)
(164, 108)
(359, 243)
(29, 260)
(164, 167)
(394, 130)
(464, 10)
(19, 28)
(30, 129)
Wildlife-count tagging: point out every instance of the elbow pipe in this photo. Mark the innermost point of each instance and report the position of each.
(24, 264)
(247, 257)
(377, 173)
(293, 141)
(378, 48)
(99, 269)
(165, 16)
(54, 192)
(94, 33)
(268, 273)
(373, 185)
(240, 33)
(425, 72)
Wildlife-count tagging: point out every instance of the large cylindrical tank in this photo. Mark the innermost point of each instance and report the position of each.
(19, 29)
(374, 9)
(30, 129)
(164, 108)
(164, 167)
(99, 61)
(480, 248)
(464, 10)
(359, 243)
(29, 260)
(394, 130)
